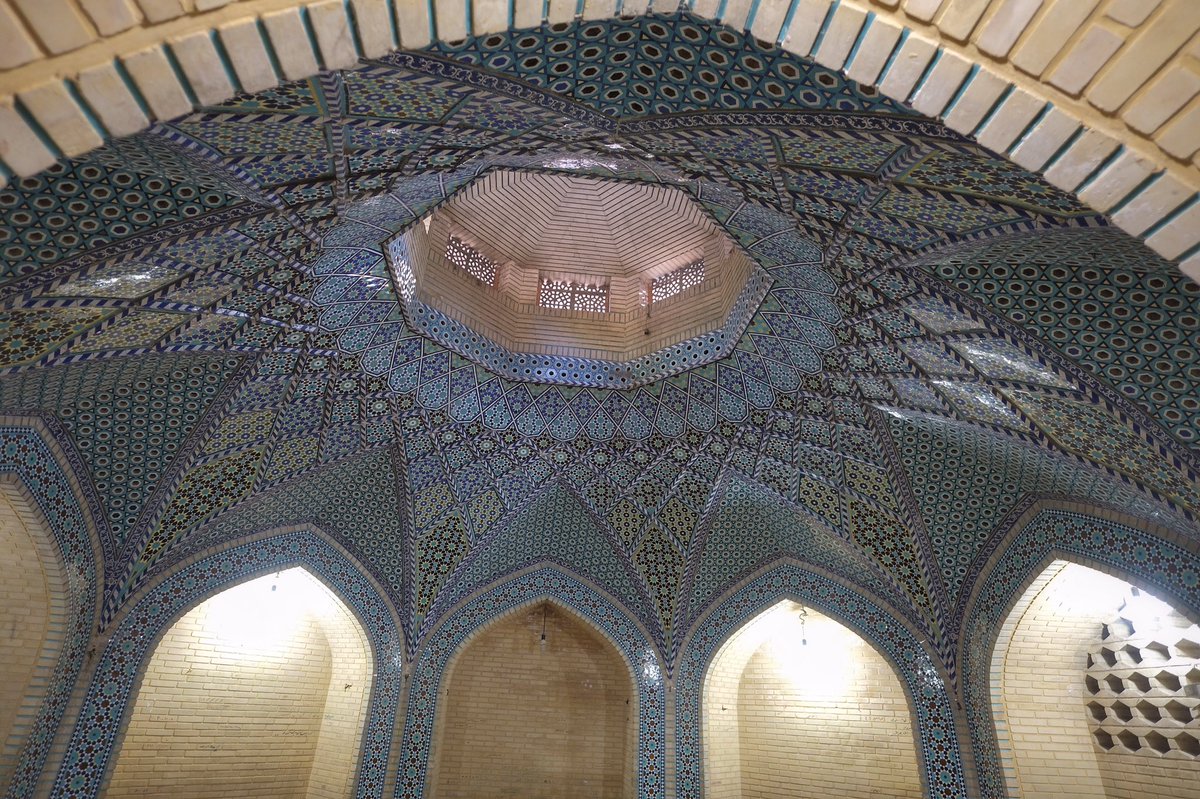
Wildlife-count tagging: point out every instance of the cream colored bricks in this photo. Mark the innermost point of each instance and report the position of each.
(248, 54)
(840, 36)
(105, 90)
(32, 621)
(289, 40)
(516, 718)
(221, 715)
(806, 24)
(786, 719)
(1042, 685)
(942, 84)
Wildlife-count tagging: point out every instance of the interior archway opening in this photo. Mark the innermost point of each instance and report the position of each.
(539, 705)
(259, 691)
(33, 608)
(797, 705)
(1099, 691)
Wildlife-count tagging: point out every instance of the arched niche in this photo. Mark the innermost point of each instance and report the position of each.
(940, 763)
(1159, 563)
(524, 589)
(797, 705)
(260, 690)
(34, 616)
(1090, 679)
(37, 484)
(537, 704)
(107, 705)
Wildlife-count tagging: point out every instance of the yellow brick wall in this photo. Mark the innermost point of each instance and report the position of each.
(257, 715)
(31, 619)
(519, 720)
(1044, 662)
(826, 718)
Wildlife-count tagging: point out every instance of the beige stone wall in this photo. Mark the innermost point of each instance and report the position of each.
(31, 621)
(1052, 643)
(785, 719)
(1125, 72)
(517, 719)
(273, 710)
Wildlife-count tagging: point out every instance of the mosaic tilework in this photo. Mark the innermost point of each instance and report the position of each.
(421, 462)
(353, 501)
(1103, 299)
(1088, 431)
(128, 419)
(554, 527)
(25, 454)
(965, 479)
(930, 702)
(109, 697)
(1144, 558)
(78, 205)
(663, 65)
(29, 334)
(523, 590)
(751, 527)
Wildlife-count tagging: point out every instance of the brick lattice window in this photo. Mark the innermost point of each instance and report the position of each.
(567, 295)
(471, 261)
(679, 280)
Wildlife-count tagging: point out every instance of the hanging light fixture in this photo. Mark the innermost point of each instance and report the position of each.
(803, 631)
(542, 643)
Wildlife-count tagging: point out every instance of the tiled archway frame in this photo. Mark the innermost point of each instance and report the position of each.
(107, 702)
(580, 598)
(1042, 536)
(31, 455)
(164, 72)
(942, 769)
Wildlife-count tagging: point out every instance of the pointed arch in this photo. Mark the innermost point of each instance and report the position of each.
(1128, 548)
(510, 594)
(139, 628)
(42, 483)
(943, 772)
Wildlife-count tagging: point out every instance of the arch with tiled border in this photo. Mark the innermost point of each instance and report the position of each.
(948, 63)
(1130, 549)
(509, 595)
(35, 464)
(136, 632)
(943, 770)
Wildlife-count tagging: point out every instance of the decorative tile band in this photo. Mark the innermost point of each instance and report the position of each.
(940, 756)
(1055, 533)
(110, 696)
(24, 453)
(574, 595)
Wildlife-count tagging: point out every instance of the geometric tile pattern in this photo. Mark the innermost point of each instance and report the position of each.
(1128, 316)
(209, 314)
(122, 660)
(639, 654)
(25, 453)
(933, 715)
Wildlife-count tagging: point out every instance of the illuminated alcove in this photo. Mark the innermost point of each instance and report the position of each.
(1099, 691)
(796, 705)
(32, 620)
(259, 691)
(538, 704)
